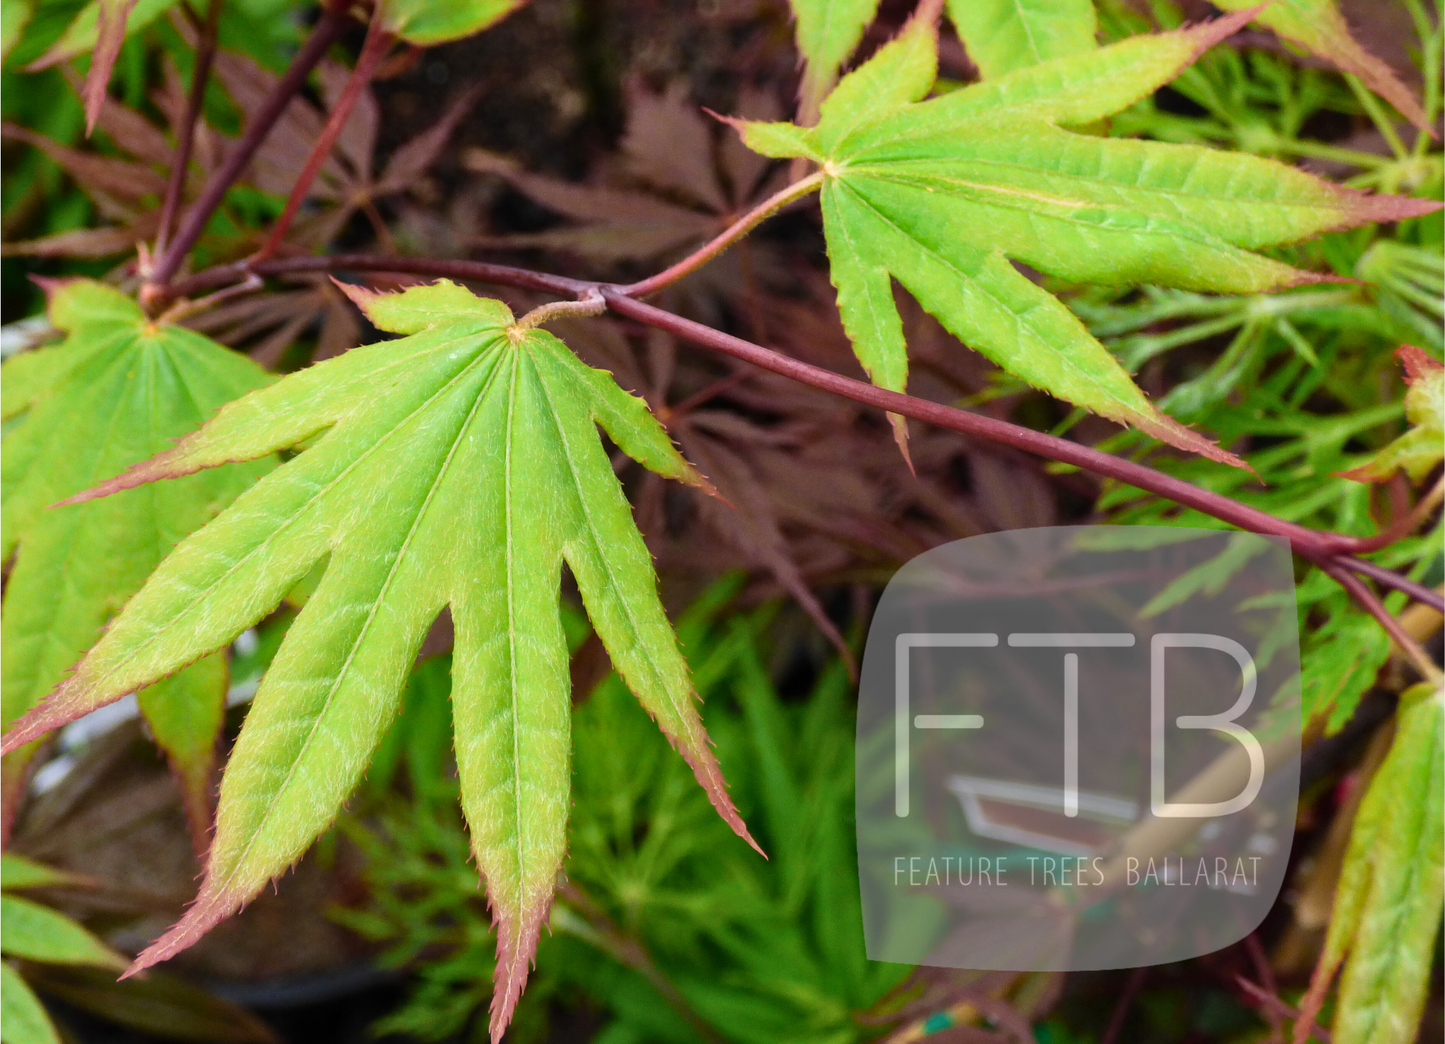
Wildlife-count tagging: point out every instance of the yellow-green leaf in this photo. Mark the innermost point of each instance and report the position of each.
(23, 1019)
(1004, 35)
(117, 390)
(38, 933)
(943, 194)
(459, 466)
(430, 22)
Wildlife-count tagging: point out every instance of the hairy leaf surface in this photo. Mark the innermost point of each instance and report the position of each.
(828, 32)
(458, 466)
(1320, 26)
(1004, 35)
(117, 390)
(943, 194)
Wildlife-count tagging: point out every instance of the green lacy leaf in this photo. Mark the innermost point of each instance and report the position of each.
(117, 390)
(941, 194)
(457, 466)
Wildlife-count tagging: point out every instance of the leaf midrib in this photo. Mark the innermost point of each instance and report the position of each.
(319, 492)
(400, 556)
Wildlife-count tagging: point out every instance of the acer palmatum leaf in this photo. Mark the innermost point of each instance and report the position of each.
(457, 466)
(942, 194)
(117, 390)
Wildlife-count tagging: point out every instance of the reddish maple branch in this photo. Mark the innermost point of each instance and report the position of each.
(186, 132)
(333, 20)
(739, 228)
(1367, 600)
(1322, 549)
(372, 52)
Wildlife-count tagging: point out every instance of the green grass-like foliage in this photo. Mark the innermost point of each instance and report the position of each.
(456, 467)
(116, 391)
(672, 932)
(941, 194)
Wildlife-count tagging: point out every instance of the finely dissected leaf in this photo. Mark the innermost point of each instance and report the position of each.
(428, 22)
(118, 390)
(18, 872)
(38, 933)
(1344, 658)
(22, 1018)
(1319, 26)
(828, 32)
(1421, 448)
(458, 466)
(1388, 900)
(941, 195)
(1004, 35)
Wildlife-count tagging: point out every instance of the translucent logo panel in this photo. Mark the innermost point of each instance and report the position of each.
(1078, 748)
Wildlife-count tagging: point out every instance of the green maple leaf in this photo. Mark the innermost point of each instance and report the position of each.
(458, 466)
(116, 391)
(1004, 35)
(1421, 448)
(942, 194)
(1392, 886)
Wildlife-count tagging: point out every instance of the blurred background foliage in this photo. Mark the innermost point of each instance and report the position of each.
(560, 151)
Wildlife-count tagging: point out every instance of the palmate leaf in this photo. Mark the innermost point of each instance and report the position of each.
(458, 466)
(116, 391)
(942, 194)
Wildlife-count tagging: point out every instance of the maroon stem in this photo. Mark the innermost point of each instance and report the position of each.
(1366, 599)
(186, 132)
(1319, 548)
(328, 29)
(372, 51)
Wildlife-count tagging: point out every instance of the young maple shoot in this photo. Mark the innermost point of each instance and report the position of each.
(458, 466)
(941, 194)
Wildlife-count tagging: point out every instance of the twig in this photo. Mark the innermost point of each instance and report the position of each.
(1390, 578)
(1321, 548)
(1279, 1007)
(186, 132)
(1368, 601)
(1407, 523)
(328, 29)
(372, 52)
(739, 228)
